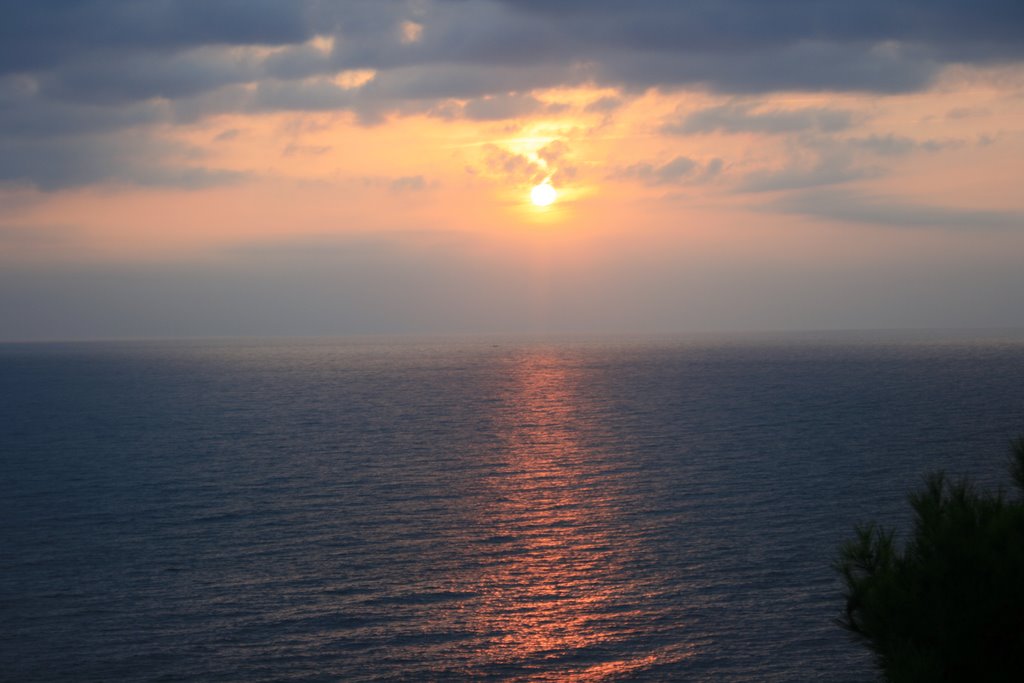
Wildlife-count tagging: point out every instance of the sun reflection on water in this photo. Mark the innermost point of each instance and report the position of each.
(562, 589)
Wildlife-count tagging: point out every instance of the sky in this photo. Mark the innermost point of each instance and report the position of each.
(180, 168)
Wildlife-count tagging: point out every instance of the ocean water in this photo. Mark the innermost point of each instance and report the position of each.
(364, 510)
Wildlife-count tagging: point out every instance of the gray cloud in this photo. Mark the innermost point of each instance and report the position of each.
(398, 185)
(133, 160)
(36, 36)
(804, 65)
(293, 149)
(27, 114)
(818, 160)
(316, 95)
(147, 75)
(831, 171)
(679, 170)
(464, 81)
(742, 118)
(813, 161)
(414, 183)
(898, 145)
(225, 135)
(498, 107)
(875, 45)
(851, 207)
(955, 30)
(713, 168)
(604, 105)
(958, 113)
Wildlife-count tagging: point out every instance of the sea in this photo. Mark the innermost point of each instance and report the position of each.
(484, 509)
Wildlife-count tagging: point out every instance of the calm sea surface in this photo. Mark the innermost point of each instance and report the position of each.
(491, 510)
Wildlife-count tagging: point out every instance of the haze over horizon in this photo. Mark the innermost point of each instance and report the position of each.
(301, 167)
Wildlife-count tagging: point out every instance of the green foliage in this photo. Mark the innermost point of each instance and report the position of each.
(949, 605)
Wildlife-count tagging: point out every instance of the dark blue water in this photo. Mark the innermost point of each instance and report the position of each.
(382, 510)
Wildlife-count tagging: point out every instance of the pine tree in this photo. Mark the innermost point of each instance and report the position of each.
(949, 604)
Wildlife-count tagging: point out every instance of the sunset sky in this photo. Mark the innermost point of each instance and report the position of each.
(279, 167)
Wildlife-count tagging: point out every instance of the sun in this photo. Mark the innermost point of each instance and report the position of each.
(543, 194)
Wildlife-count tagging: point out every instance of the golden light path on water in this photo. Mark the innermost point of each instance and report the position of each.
(570, 596)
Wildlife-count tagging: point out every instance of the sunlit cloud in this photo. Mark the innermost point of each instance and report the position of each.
(411, 32)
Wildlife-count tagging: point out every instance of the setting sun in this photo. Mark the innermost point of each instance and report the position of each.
(543, 194)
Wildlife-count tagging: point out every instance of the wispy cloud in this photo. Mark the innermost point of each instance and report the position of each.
(747, 118)
(679, 170)
(854, 207)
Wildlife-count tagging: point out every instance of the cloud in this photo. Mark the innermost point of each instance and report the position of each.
(730, 45)
(851, 207)
(294, 149)
(125, 159)
(954, 30)
(463, 81)
(79, 68)
(828, 171)
(679, 170)
(958, 113)
(399, 184)
(713, 168)
(44, 35)
(503, 106)
(604, 105)
(228, 134)
(414, 183)
(554, 153)
(742, 118)
(552, 163)
(898, 145)
(98, 79)
(747, 46)
(312, 94)
(518, 168)
(816, 160)
(26, 114)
